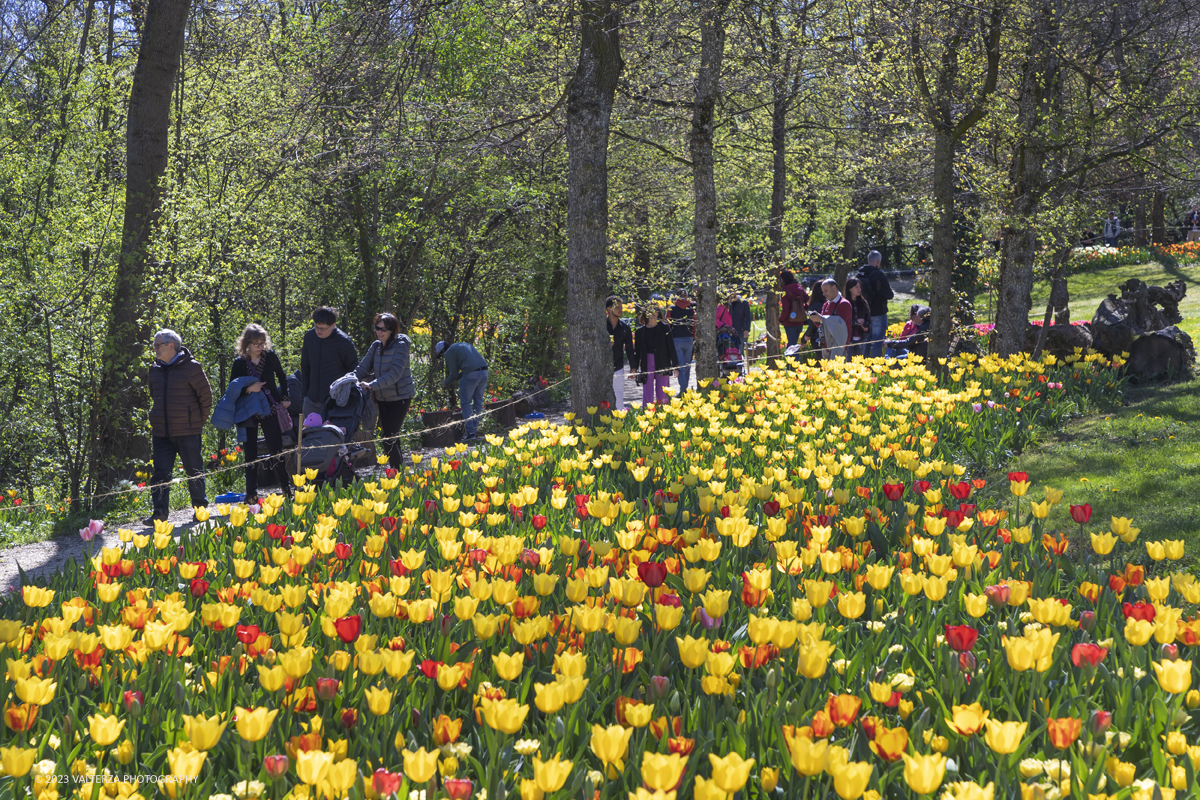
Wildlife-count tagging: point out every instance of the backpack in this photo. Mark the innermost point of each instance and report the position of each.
(798, 306)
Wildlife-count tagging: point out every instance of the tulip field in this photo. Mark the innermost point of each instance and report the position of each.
(798, 585)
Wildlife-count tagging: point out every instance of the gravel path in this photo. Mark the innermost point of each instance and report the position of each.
(45, 558)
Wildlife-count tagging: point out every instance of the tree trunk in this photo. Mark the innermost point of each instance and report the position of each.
(704, 226)
(849, 248)
(942, 301)
(1158, 218)
(121, 392)
(589, 107)
(1039, 103)
(1139, 217)
(779, 112)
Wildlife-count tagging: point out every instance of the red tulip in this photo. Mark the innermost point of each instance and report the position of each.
(960, 490)
(430, 507)
(385, 783)
(921, 487)
(997, 594)
(349, 718)
(458, 788)
(893, 491)
(770, 508)
(961, 637)
(539, 522)
(276, 766)
(1081, 514)
(327, 688)
(1100, 722)
(248, 634)
(1018, 476)
(670, 600)
(397, 567)
(342, 551)
(652, 573)
(199, 587)
(348, 628)
(430, 668)
(131, 697)
(1139, 611)
(530, 558)
(1089, 654)
(276, 531)
(388, 524)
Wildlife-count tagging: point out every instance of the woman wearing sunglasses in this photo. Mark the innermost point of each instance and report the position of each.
(384, 371)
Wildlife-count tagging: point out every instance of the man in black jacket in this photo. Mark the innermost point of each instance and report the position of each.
(327, 354)
(621, 336)
(878, 291)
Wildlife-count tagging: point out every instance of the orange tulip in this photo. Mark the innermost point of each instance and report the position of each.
(446, 730)
(1064, 731)
(889, 743)
(843, 709)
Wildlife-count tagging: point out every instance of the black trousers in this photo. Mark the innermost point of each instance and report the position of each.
(166, 448)
(391, 420)
(274, 437)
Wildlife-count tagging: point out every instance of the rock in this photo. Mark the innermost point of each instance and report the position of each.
(1141, 322)
(1061, 340)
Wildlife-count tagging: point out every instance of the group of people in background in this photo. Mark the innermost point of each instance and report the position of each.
(260, 397)
(850, 320)
(663, 345)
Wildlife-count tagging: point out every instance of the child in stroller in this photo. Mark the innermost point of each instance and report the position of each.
(324, 446)
(729, 356)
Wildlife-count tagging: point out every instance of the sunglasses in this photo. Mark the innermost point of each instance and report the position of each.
(382, 328)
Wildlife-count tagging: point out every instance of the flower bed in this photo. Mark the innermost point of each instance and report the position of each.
(790, 588)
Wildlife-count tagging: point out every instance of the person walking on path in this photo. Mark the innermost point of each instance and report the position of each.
(682, 318)
(466, 365)
(1112, 229)
(181, 402)
(739, 310)
(878, 290)
(792, 306)
(621, 336)
(385, 371)
(328, 353)
(860, 330)
(655, 356)
(834, 321)
(257, 359)
(1191, 224)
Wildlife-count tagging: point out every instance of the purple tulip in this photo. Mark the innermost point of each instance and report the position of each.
(708, 622)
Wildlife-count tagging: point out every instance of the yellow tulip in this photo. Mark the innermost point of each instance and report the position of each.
(1138, 631)
(17, 761)
(1173, 676)
(662, 772)
(639, 716)
(808, 757)
(611, 744)
(186, 761)
(976, 604)
(1004, 737)
(38, 691)
(692, 652)
(551, 775)
(852, 605)
(421, 766)
(667, 617)
(730, 772)
(508, 666)
(549, 697)
(924, 773)
(253, 724)
(506, 716)
(105, 730)
(379, 700)
(203, 732)
(850, 780)
(1102, 543)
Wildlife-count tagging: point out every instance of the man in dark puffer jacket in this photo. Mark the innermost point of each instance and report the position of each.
(182, 401)
(327, 354)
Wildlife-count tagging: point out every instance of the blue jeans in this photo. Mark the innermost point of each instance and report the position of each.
(879, 327)
(164, 451)
(1111, 241)
(793, 333)
(683, 352)
(471, 388)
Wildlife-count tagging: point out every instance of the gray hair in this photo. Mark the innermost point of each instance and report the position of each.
(168, 335)
(874, 257)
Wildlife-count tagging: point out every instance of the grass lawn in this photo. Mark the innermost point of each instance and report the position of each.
(1141, 461)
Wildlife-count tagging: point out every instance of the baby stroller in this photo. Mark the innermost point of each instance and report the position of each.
(325, 446)
(729, 357)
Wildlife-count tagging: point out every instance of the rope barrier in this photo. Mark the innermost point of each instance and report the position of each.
(299, 448)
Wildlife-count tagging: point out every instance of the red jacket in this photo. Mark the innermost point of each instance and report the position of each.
(793, 291)
(841, 306)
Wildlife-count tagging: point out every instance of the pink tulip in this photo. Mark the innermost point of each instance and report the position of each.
(94, 527)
